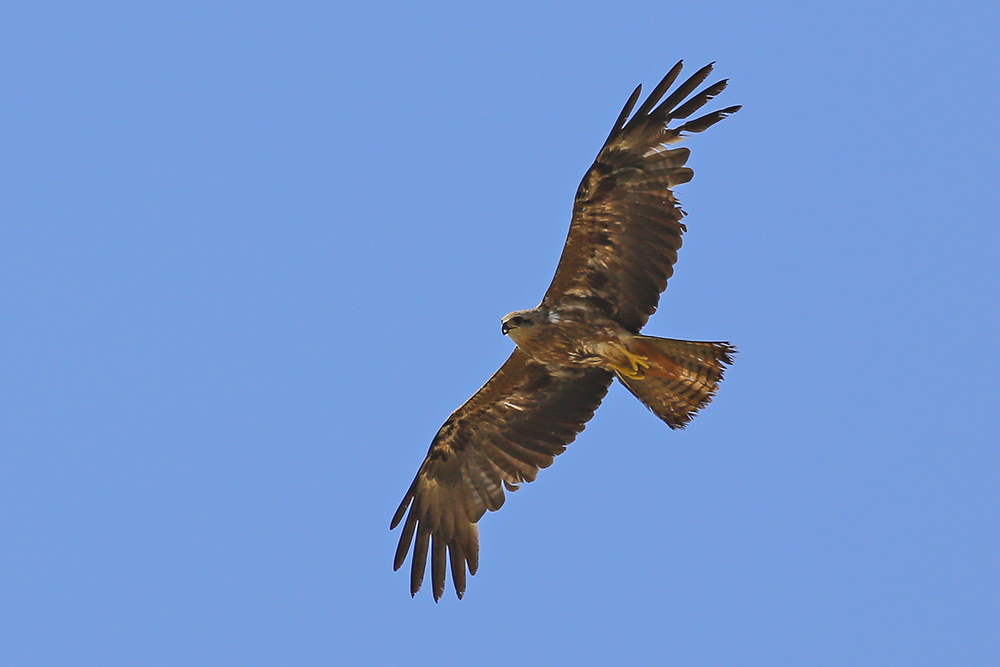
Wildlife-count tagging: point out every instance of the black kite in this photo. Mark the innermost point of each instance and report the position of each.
(622, 245)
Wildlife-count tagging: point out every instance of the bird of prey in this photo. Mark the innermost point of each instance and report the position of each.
(622, 245)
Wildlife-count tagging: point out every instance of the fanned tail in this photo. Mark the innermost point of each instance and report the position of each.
(682, 377)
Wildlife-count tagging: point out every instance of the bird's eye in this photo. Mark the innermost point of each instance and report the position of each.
(517, 321)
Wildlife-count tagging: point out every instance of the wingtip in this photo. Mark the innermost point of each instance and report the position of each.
(728, 111)
(401, 510)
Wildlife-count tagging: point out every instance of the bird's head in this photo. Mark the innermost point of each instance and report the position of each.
(514, 324)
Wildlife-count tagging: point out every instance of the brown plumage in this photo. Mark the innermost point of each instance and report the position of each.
(622, 245)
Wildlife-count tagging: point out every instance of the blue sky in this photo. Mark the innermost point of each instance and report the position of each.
(253, 254)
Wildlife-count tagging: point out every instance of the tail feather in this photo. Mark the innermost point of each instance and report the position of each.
(682, 377)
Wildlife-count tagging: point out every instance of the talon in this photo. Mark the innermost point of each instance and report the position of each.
(636, 361)
(637, 365)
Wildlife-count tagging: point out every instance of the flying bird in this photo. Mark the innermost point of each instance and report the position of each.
(622, 245)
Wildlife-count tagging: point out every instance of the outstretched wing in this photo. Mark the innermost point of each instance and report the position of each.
(626, 226)
(516, 424)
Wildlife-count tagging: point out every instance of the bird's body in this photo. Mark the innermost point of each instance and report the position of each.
(621, 249)
(566, 336)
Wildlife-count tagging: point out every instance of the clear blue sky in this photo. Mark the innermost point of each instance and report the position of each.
(253, 254)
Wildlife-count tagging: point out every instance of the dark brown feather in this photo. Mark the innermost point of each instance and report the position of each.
(685, 89)
(439, 552)
(419, 563)
(661, 87)
(708, 120)
(626, 110)
(699, 100)
(457, 568)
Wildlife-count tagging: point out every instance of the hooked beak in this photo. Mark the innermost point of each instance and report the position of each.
(504, 328)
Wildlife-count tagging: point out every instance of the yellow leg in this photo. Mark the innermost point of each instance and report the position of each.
(637, 365)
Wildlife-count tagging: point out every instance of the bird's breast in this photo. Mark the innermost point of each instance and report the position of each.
(568, 342)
